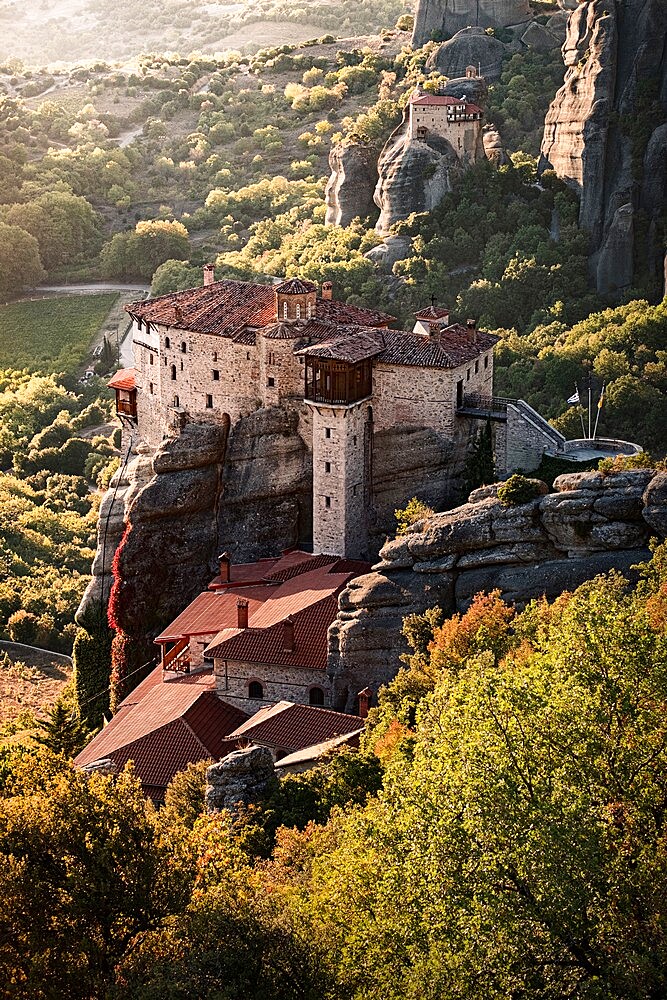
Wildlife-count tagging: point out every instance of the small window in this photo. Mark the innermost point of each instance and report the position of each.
(486, 361)
(354, 439)
(216, 375)
(468, 375)
(354, 490)
(247, 355)
(173, 373)
(327, 432)
(215, 355)
(166, 362)
(327, 466)
(181, 366)
(309, 310)
(177, 402)
(152, 359)
(271, 358)
(476, 366)
(150, 388)
(209, 402)
(271, 382)
(184, 347)
(327, 501)
(167, 342)
(298, 311)
(316, 696)
(255, 690)
(285, 309)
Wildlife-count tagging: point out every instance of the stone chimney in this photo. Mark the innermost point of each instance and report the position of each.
(178, 315)
(472, 330)
(225, 565)
(365, 698)
(327, 290)
(242, 613)
(288, 635)
(209, 274)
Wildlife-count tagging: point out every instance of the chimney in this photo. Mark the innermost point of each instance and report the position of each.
(225, 564)
(242, 613)
(288, 635)
(178, 315)
(472, 330)
(209, 274)
(327, 290)
(364, 697)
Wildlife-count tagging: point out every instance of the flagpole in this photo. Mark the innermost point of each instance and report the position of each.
(581, 417)
(589, 408)
(599, 409)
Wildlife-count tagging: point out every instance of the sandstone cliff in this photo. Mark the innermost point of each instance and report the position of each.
(591, 524)
(415, 175)
(448, 16)
(469, 47)
(349, 190)
(606, 134)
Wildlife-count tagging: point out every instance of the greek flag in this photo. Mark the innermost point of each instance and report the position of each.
(575, 398)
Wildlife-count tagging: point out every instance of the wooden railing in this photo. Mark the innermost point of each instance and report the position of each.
(178, 657)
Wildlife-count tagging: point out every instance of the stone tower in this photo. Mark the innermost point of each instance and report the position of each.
(342, 436)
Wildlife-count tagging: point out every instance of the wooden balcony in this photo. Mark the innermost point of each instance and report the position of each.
(126, 403)
(338, 383)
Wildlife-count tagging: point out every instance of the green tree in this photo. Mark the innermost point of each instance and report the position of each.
(62, 731)
(66, 227)
(20, 264)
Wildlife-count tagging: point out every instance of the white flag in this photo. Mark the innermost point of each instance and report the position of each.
(575, 398)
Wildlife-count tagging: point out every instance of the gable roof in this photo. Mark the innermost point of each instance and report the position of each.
(227, 308)
(293, 727)
(214, 610)
(176, 722)
(432, 312)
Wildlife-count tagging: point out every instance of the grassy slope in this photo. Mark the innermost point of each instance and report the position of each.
(51, 334)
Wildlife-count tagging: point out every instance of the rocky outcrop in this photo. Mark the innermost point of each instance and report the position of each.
(605, 134)
(267, 486)
(469, 47)
(494, 149)
(240, 778)
(349, 190)
(415, 175)
(171, 536)
(591, 523)
(448, 16)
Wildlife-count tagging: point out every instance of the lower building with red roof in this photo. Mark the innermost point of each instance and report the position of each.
(286, 728)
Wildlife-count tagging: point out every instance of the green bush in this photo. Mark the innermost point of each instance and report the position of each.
(414, 511)
(518, 489)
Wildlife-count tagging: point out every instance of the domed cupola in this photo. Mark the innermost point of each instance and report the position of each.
(295, 299)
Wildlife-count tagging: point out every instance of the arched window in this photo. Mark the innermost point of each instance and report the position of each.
(298, 311)
(309, 310)
(167, 342)
(173, 373)
(255, 690)
(184, 347)
(177, 402)
(285, 309)
(316, 696)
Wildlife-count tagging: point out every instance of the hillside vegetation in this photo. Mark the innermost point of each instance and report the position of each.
(500, 834)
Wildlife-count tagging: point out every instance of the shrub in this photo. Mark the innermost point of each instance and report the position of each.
(624, 463)
(518, 489)
(415, 510)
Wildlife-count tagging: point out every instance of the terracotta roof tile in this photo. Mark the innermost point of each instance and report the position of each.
(349, 343)
(432, 312)
(295, 563)
(125, 378)
(339, 312)
(293, 727)
(214, 610)
(452, 347)
(295, 286)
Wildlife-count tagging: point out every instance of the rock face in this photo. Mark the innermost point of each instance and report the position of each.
(448, 16)
(349, 191)
(469, 47)
(605, 133)
(591, 524)
(415, 175)
(242, 777)
(494, 149)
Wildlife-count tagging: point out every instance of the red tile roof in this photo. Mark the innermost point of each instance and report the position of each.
(296, 562)
(291, 727)
(214, 610)
(227, 308)
(452, 347)
(176, 722)
(432, 312)
(295, 286)
(349, 343)
(266, 644)
(125, 378)
(430, 100)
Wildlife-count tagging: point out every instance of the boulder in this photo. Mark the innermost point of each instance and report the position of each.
(538, 37)
(494, 149)
(655, 504)
(240, 778)
(469, 47)
(349, 190)
(449, 16)
(392, 249)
